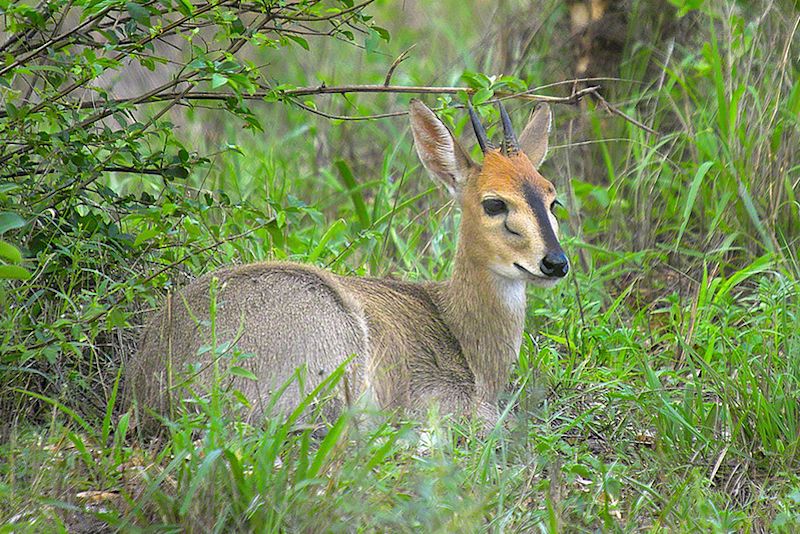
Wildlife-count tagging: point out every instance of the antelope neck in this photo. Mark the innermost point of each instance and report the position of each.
(486, 313)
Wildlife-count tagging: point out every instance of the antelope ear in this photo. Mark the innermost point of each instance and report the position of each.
(533, 140)
(437, 148)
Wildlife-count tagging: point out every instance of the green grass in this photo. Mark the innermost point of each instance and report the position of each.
(658, 388)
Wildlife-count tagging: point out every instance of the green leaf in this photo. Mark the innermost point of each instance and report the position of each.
(513, 83)
(382, 32)
(685, 6)
(199, 63)
(12, 111)
(218, 80)
(235, 370)
(176, 171)
(10, 252)
(239, 396)
(758, 266)
(14, 272)
(8, 186)
(476, 80)
(782, 520)
(106, 427)
(236, 470)
(146, 236)
(372, 42)
(119, 435)
(299, 40)
(10, 221)
(237, 26)
(482, 95)
(185, 7)
(139, 13)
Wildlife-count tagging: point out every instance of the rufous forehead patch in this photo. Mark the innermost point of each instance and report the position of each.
(503, 173)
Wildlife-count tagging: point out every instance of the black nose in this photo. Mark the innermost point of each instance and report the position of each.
(555, 264)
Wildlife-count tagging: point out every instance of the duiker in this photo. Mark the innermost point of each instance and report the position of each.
(412, 344)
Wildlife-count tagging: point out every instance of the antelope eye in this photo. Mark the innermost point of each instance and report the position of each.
(494, 206)
(553, 206)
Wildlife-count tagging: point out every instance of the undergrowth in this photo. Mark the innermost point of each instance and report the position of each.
(658, 388)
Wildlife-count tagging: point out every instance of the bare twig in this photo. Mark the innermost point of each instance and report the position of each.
(86, 79)
(348, 117)
(295, 18)
(324, 89)
(159, 171)
(402, 57)
(158, 95)
(51, 42)
(152, 96)
(616, 111)
(572, 99)
(341, 89)
(155, 96)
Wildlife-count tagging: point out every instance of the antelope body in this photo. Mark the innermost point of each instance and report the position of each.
(412, 344)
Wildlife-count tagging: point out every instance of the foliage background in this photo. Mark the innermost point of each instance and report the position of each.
(657, 389)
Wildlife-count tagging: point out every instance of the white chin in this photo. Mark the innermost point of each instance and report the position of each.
(510, 272)
(523, 273)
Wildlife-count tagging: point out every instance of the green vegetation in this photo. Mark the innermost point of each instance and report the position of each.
(658, 388)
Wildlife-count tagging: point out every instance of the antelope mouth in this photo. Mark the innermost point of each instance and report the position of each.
(530, 274)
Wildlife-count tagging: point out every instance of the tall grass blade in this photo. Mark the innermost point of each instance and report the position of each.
(198, 477)
(335, 229)
(691, 198)
(360, 207)
(749, 206)
(62, 408)
(112, 401)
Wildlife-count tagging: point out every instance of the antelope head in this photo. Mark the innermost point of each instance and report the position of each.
(507, 223)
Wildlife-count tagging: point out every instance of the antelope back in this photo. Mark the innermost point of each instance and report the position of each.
(507, 223)
(278, 316)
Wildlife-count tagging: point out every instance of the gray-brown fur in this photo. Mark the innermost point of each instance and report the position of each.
(286, 315)
(413, 344)
(265, 309)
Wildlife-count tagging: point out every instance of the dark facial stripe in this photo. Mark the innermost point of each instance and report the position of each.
(542, 217)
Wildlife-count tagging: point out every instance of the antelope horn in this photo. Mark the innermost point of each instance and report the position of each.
(510, 143)
(480, 133)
